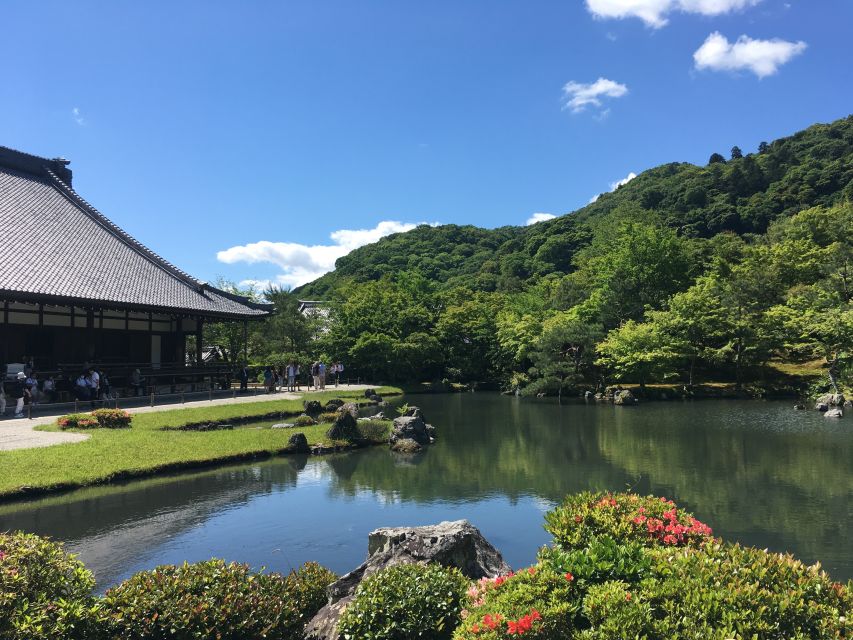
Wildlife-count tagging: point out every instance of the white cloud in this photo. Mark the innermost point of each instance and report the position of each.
(539, 217)
(654, 12)
(615, 185)
(625, 180)
(303, 263)
(78, 116)
(579, 96)
(762, 57)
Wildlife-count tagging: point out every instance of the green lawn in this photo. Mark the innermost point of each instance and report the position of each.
(145, 448)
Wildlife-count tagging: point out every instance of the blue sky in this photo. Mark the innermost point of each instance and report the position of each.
(234, 138)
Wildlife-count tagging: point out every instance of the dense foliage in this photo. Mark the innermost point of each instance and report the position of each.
(406, 601)
(606, 579)
(214, 599)
(684, 274)
(45, 593)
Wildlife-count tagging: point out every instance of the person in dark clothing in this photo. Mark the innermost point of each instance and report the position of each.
(244, 379)
(18, 392)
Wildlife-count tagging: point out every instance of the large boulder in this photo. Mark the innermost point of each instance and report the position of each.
(413, 412)
(313, 407)
(299, 443)
(344, 428)
(831, 400)
(350, 408)
(834, 413)
(411, 428)
(451, 544)
(334, 404)
(624, 397)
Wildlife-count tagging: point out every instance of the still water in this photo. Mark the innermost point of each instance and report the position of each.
(757, 472)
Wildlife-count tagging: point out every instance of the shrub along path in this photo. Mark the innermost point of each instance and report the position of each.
(146, 449)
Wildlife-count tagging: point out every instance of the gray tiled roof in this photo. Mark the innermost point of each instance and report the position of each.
(54, 245)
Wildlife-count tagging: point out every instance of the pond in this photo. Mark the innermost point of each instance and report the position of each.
(757, 472)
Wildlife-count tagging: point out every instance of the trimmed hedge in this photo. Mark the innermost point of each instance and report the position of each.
(215, 599)
(113, 418)
(406, 601)
(97, 419)
(78, 421)
(45, 593)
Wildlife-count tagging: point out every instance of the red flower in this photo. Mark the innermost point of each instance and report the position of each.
(531, 571)
(569, 577)
(628, 596)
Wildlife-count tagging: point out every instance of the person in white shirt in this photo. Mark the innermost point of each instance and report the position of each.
(48, 389)
(93, 381)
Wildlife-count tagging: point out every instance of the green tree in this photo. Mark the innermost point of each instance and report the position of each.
(637, 352)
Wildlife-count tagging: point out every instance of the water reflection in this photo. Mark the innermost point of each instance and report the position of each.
(758, 472)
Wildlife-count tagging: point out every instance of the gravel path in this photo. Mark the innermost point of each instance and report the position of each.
(20, 433)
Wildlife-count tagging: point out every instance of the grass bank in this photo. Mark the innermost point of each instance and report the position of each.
(146, 449)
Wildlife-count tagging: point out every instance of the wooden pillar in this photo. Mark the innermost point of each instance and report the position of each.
(199, 341)
(90, 335)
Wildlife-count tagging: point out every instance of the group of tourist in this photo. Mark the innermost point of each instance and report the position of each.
(25, 388)
(92, 385)
(292, 376)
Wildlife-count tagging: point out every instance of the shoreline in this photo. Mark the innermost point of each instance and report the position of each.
(261, 449)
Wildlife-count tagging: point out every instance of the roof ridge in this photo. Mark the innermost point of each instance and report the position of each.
(68, 191)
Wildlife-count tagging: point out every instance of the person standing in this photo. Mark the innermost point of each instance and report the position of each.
(49, 389)
(136, 382)
(321, 369)
(93, 381)
(19, 390)
(267, 378)
(291, 377)
(2, 395)
(244, 379)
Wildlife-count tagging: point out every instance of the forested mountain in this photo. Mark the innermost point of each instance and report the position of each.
(743, 194)
(735, 271)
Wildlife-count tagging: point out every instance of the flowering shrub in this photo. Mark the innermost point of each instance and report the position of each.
(214, 599)
(112, 418)
(45, 593)
(78, 421)
(304, 421)
(536, 603)
(405, 601)
(624, 517)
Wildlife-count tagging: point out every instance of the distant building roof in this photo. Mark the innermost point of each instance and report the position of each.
(315, 307)
(55, 246)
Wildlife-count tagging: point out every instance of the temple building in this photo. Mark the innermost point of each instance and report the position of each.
(75, 288)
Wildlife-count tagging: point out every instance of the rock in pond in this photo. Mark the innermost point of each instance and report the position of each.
(834, 413)
(299, 443)
(831, 399)
(624, 397)
(451, 544)
(344, 428)
(821, 406)
(334, 404)
(411, 428)
(406, 445)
